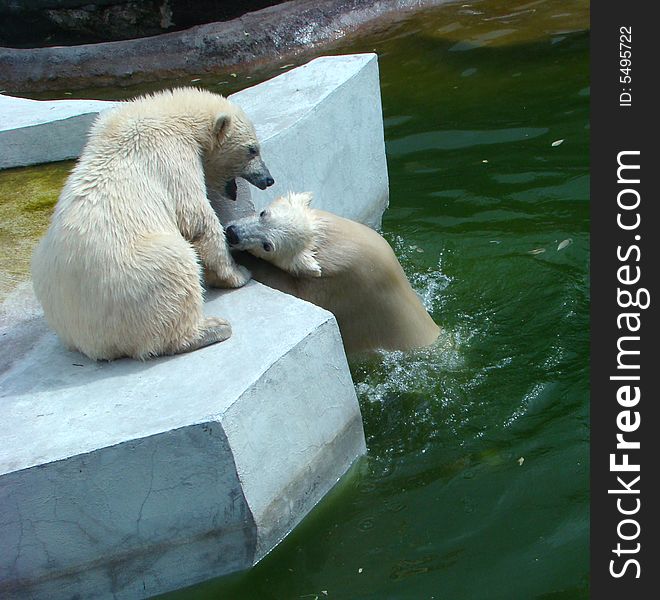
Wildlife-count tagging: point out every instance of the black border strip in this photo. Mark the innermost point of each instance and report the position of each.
(624, 547)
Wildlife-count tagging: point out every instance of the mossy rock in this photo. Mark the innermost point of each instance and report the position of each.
(27, 198)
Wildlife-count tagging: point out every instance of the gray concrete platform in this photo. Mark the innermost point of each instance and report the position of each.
(33, 132)
(129, 479)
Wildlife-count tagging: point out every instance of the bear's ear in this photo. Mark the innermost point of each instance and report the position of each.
(302, 199)
(221, 126)
(306, 265)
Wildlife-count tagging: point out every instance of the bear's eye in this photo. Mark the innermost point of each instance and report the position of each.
(252, 151)
(262, 214)
(268, 247)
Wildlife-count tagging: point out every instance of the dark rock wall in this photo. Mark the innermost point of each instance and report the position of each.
(39, 23)
(271, 35)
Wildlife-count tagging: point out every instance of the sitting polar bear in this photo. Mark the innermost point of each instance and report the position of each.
(118, 272)
(338, 264)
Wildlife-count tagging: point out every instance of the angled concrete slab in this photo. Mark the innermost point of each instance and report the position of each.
(322, 132)
(34, 131)
(128, 479)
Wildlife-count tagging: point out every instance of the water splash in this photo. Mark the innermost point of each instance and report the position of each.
(413, 400)
(428, 282)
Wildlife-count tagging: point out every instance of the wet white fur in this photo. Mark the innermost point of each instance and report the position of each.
(343, 266)
(118, 271)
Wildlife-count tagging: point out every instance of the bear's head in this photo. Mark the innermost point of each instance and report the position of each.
(234, 152)
(285, 233)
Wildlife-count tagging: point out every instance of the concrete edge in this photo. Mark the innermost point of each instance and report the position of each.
(312, 109)
(137, 561)
(313, 466)
(325, 480)
(46, 142)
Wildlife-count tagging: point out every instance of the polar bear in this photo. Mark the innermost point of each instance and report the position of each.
(118, 272)
(338, 264)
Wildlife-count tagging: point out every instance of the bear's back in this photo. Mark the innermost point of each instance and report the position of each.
(362, 283)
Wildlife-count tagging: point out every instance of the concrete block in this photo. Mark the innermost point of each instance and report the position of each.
(34, 131)
(321, 131)
(129, 479)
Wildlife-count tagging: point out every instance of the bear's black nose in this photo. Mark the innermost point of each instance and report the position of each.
(269, 181)
(232, 236)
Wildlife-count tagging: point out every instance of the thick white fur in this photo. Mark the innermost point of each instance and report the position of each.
(118, 272)
(340, 265)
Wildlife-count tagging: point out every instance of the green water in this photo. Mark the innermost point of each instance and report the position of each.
(476, 482)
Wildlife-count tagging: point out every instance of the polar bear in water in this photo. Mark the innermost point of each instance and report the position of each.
(338, 264)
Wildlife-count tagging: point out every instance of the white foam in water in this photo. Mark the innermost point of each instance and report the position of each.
(428, 284)
(417, 370)
(421, 369)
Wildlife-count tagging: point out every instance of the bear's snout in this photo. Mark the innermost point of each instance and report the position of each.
(257, 174)
(262, 182)
(231, 235)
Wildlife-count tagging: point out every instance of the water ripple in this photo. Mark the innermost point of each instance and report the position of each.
(455, 139)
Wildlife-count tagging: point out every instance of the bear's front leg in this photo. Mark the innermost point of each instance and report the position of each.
(205, 232)
(220, 269)
(235, 279)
